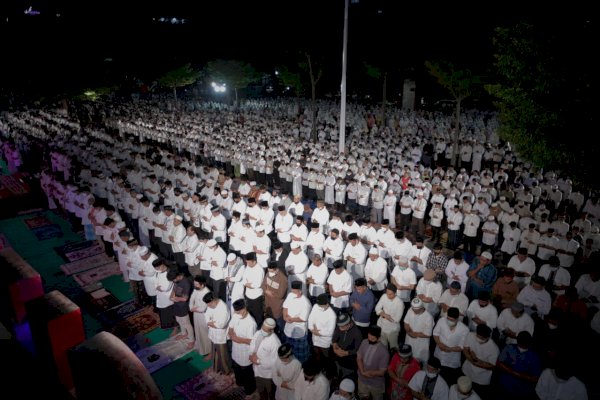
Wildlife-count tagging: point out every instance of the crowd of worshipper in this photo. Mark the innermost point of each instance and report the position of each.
(380, 273)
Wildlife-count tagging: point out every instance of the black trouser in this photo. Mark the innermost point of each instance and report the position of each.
(244, 376)
(256, 309)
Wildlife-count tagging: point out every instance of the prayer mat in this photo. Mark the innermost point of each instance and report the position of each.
(76, 251)
(37, 221)
(13, 185)
(162, 354)
(119, 313)
(4, 243)
(48, 232)
(97, 274)
(85, 263)
(140, 323)
(100, 301)
(210, 385)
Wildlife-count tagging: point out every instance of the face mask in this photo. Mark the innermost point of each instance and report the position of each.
(265, 334)
(272, 274)
(337, 396)
(451, 324)
(402, 268)
(431, 374)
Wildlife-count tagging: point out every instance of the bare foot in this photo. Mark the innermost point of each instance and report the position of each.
(180, 337)
(208, 357)
(189, 346)
(174, 333)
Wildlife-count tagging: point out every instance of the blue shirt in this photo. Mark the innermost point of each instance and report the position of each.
(367, 305)
(487, 274)
(527, 362)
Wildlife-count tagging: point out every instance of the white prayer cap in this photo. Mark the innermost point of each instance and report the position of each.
(211, 243)
(487, 254)
(231, 256)
(120, 225)
(502, 198)
(143, 250)
(270, 323)
(139, 196)
(260, 228)
(179, 218)
(419, 193)
(373, 250)
(295, 245)
(390, 191)
(464, 384)
(253, 183)
(347, 385)
(416, 303)
(224, 192)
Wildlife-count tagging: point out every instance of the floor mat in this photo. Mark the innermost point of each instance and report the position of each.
(76, 251)
(100, 300)
(142, 322)
(119, 313)
(85, 263)
(48, 232)
(97, 274)
(37, 221)
(162, 354)
(211, 386)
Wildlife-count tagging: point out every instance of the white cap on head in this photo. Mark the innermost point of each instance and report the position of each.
(179, 218)
(347, 385)
(120, 225)
(270, 323)
(487, 254)
(211, 243)
(373, 250)
(224, 192)
(295, 245)
(260, 228)
(231, 256)
(464, 384)
(416, 303)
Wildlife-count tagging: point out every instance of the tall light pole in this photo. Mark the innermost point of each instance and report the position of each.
(342, 143)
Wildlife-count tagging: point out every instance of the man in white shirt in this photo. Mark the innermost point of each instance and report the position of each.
(482, 312)
(560, 383)
(355, 256)
(316, 278)
(217, 320)
(376, 272)
(311, 384)
(296, 309)
(340, 287)
(450, 334)
(428, 383)
(418, 325)
(419, 256)
(242, 328)
(390, 310)
(513, 320)
(453, 297)
(481, 354)
(198, 309)
(333, 248)
(457, 270)
(296, 265)
(264, 353)
(524, 267)
(403, 278)
(287, 371)
(252, 279)
(321, 323)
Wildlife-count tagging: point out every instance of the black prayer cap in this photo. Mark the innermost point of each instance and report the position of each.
(322, 299)
(239, 304)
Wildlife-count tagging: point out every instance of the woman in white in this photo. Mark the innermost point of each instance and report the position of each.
(287, 370)
(389, 208)
(198, 308)
(235, 272)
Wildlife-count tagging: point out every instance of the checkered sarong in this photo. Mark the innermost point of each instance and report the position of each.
(300, 347)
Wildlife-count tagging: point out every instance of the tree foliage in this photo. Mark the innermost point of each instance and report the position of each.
(182, 76)
(235, 74)
(543, 93)
(461, 83)
(314, 68)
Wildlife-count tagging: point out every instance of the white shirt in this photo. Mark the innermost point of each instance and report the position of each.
(404, 277)
(489, 314)
(163, 290)
(340, 283)
(254, 276)
(377, 271)
(296, 307)
(421, 323)
(220, 316)
(265, 348)
(244, 328)
(440, 390)
(318, 389)
(487, 352)
(394, 308)
(324, 321)
(452, 338)
(506, 320)
(549, 387)
(319, 275)
(286, 372)
(460, 301)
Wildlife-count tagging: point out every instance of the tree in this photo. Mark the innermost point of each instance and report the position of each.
(292, 79)
(315, 71)
(461, 83)
(544, 96)
(182, 76)
(236, 74)
(378, 73)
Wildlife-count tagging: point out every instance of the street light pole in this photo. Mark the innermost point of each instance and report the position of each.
(342, 142)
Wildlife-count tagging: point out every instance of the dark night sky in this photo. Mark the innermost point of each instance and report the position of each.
(265, 33)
